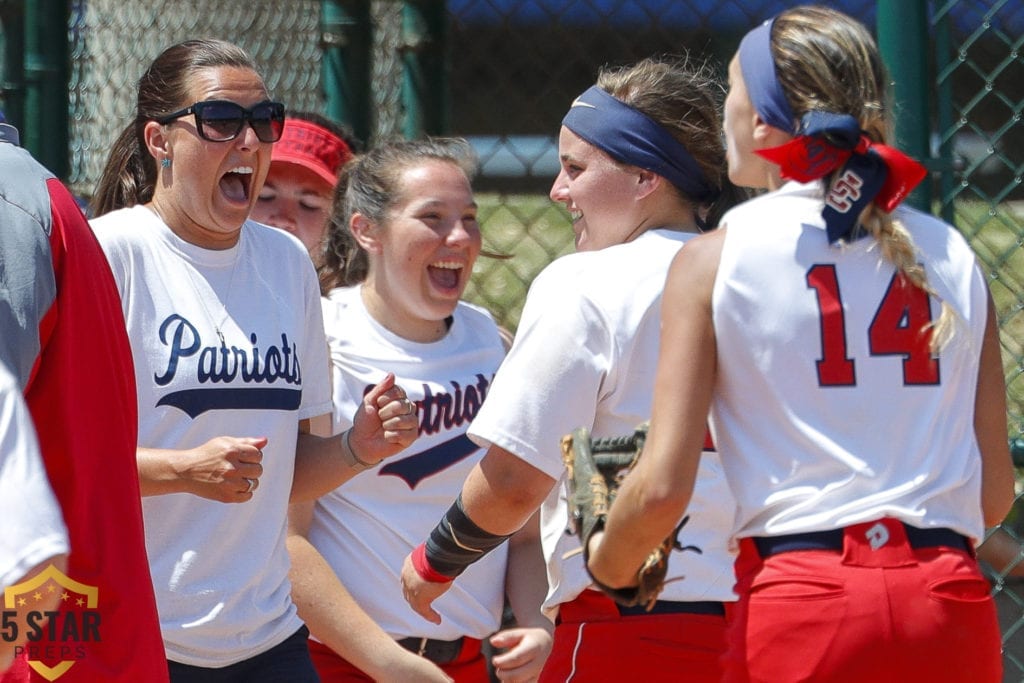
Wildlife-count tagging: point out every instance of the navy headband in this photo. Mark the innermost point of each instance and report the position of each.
(758, 67)
(631, 137)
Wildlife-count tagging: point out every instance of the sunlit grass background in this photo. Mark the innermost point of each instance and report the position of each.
(997, 233)
(532, 231)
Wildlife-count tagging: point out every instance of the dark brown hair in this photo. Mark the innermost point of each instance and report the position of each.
(370, 184)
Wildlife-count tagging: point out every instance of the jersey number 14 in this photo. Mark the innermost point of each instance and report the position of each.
(901, 327)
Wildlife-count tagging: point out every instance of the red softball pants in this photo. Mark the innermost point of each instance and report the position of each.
(870, 611)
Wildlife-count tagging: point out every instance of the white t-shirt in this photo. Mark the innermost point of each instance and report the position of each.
(220, 571)
(33, 528)
(820, 421)
(585, 354)
(366, 527)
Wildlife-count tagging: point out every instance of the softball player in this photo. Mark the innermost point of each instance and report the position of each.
(403, 241)
(848, 351)
(642, 162)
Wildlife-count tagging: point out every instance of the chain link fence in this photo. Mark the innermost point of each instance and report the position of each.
(512, 66)
(113, 41)
(980, 94)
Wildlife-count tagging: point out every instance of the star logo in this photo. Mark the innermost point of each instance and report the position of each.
(56, 638)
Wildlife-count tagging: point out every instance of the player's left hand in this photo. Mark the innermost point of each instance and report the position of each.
(386, 422)
(527, 650)
(420, 593)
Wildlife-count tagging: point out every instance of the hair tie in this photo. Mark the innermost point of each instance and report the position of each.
(871, 171)
(823, 142)
(631, 137)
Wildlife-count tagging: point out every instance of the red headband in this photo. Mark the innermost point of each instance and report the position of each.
(306, 144)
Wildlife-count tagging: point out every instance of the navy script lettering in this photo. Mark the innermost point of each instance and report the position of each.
(446, 410)
(440, 412)
(222, 364)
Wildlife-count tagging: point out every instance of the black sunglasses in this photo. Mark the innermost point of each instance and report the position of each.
(222, 120)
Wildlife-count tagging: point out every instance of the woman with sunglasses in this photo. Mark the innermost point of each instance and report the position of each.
(230, 358)
(848, 350)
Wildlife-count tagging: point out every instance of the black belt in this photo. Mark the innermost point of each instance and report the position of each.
(833, 540)
(437, 651)
(672, 607)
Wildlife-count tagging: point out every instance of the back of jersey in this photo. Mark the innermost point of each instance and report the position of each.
(830, 408)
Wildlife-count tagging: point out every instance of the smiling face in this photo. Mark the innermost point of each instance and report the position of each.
(599, 193)
(422, 255)
(211, 187)
(296, 200)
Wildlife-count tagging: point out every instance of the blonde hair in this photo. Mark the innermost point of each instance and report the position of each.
(827, 61)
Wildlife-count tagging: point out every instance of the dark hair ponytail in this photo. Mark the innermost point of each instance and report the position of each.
(128, 176)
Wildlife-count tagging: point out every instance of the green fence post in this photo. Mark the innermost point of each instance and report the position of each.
(903, 41)
(346, 37)
(12, 84)
(944, 120)
(45, 128)
(424, 81)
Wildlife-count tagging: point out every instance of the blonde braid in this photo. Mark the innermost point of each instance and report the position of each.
(827, 61)
(897, 247)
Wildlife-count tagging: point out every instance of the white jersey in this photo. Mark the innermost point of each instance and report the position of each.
(220, 570)
(585, 354)
(33, 527)
(366, 527)
(819, 355)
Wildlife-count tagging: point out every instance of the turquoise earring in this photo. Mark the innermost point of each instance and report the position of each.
(165, 162)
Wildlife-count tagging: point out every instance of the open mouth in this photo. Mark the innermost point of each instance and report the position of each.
(235, 184)
(445, 274)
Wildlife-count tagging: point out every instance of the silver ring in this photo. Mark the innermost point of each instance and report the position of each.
(251, 483)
